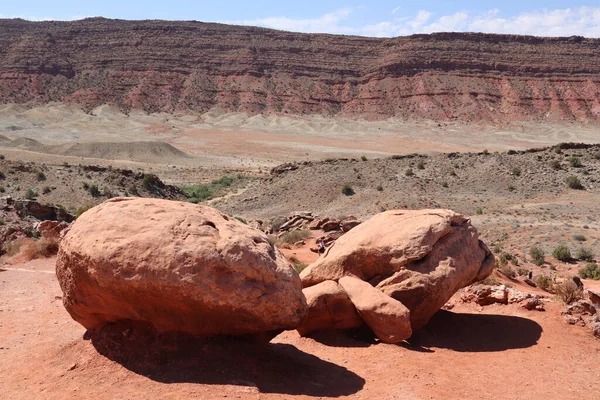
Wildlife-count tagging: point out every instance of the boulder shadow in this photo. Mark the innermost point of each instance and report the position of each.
(271, 368)
(475, 333)
(359, 337)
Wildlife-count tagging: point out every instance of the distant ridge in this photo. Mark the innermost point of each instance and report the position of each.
(195, 67)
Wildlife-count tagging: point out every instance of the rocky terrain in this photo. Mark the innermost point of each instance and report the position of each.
(161, 66)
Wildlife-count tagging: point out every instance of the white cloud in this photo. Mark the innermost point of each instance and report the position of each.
(582, 21)
(328, 23)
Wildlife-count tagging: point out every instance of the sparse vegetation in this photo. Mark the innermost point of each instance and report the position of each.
(409, 172)
(364, 158)
(294, 236)
(568, 291)
(562, 253)
(479, 211)
(507, 270)
(537, 255)
(150, 182)
(511, 187)
(30, 194)
(555, 165)
(242, 220)
(575, 162)
(380, 188)
(94, 191)
(347, 190)
(198, 193)
(298, 265)
(82, 209)
(516, 171)
(573, 182)
(2, 176)
(421, 164)
(43, 248)
(579, 238)
(585, 254)
(590, 271)
(223, 181)
(46, 190)
(543, 282)
(41, 176)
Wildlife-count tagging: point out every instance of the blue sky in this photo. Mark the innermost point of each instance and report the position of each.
(369, 18)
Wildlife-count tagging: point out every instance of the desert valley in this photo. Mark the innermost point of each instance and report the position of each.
(200, 210)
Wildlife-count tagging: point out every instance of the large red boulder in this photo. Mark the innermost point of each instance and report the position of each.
(420, 258)
(178, 266)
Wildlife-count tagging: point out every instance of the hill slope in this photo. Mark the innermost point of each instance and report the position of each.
(192, 66)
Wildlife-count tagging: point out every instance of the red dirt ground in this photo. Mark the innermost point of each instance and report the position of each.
(495, 352)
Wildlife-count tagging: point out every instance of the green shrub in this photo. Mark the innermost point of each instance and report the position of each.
(516, 171)
(523, 271)
(507, 270)
(2, 175)
(573, 182)
(347, 190)
(41, 176)
(1, 156)
(2, 189)
(590, 271)
(444, 184)
(575, 162)
(421, 164)
(46, 190)
(292, 237)
(151, 182)
(485, 152)
(585, 254)
(537, 255)
(452, 172)
(579, 238)
(223, 181)
(242, 220)
(380, 188)
(511, 187)
(597, 156)
(298, 265)
(409, 172)
(479, 211)
(568, 291)
(82, 209)
(562, 253)
(30, 195)
(543, 282)
(555, 165)
(197, 193)
(364, 158)
(94, 191)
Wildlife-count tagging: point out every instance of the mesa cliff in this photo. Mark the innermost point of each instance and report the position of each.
(165, 66)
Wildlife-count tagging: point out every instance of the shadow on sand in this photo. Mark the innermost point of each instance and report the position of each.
(475, 333)
(272, 368)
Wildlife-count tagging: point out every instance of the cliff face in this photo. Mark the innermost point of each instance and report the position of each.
(192, 66)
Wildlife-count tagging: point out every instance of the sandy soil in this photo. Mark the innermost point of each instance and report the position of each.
(484, 353)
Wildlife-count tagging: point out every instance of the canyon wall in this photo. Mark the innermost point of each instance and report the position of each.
(165, 66)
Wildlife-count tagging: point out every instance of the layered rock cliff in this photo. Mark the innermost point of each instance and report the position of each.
(197, 67)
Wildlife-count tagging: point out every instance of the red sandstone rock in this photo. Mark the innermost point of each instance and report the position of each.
(178, 266)
(420, 258)
(388, 318)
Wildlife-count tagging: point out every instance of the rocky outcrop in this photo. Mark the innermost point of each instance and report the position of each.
(177, 266)
(420, 258)
(163, 66)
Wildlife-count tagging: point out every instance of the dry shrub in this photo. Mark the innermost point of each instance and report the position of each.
(294, 236)
(298, 265)
(43, 248)
(568, 291)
